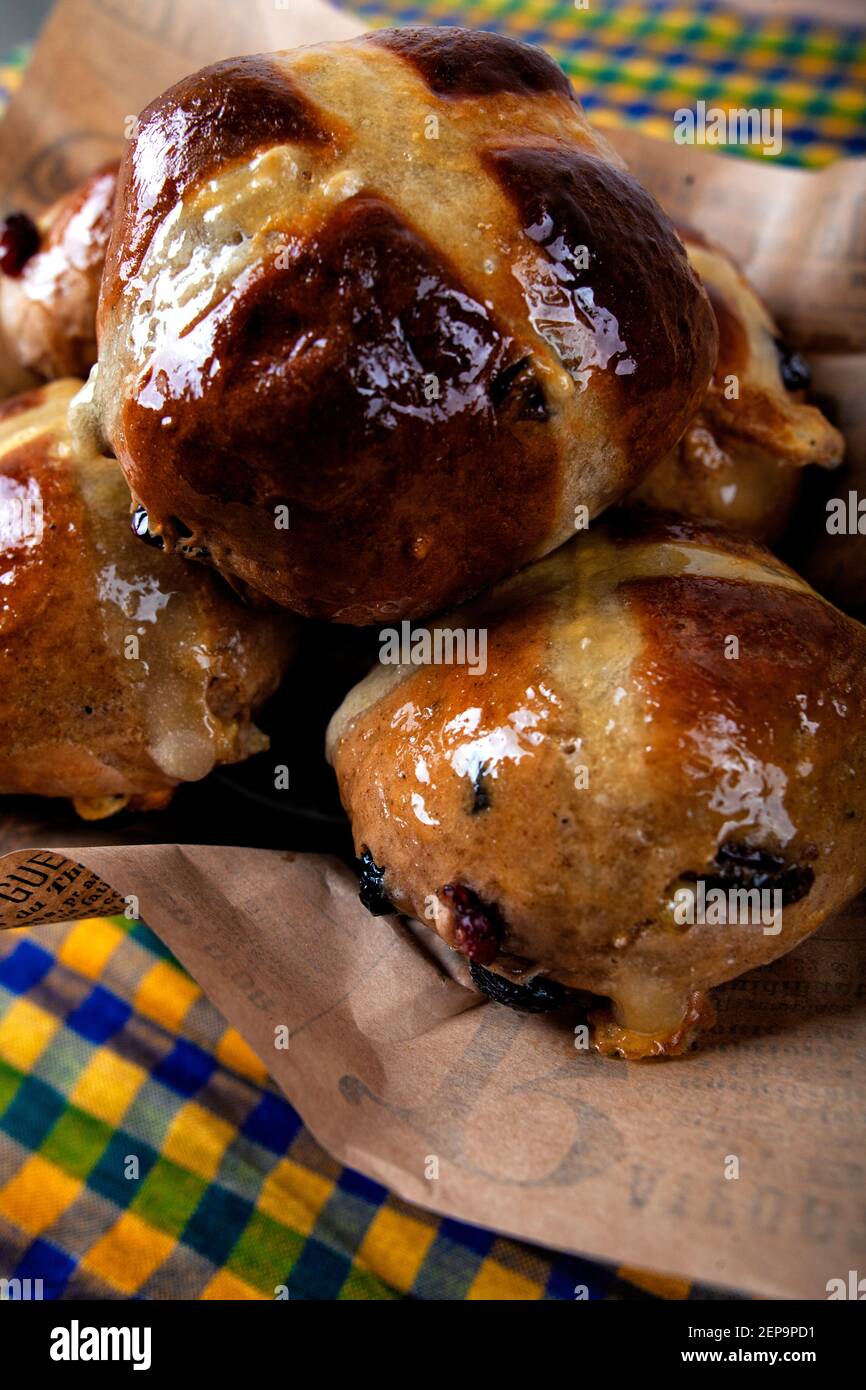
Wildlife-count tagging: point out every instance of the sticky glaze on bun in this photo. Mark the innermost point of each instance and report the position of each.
(398, 290)
(618, 749)
(50, 271)
(741, 459)
(123, 671)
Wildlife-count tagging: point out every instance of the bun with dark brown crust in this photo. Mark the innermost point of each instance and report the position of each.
(378, 316)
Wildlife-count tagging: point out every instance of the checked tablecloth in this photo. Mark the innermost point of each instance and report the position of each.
(144, 1153)
(143, 1150)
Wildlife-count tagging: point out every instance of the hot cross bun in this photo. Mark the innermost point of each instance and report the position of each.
(122, 671)
(50, 277)
(378, 316)
(742, 457)
(664, 705)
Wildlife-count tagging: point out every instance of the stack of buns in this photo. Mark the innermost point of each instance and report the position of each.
(378, 330)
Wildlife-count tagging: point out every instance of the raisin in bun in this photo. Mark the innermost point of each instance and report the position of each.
(49, 278)
(123, 671)
(396, 296)
(741, 459)
(542, 816)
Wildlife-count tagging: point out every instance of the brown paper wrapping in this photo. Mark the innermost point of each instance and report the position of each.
(400, 1070)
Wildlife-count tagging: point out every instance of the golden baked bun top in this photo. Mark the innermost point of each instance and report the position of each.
(123, 671)
(402, 287)
(656, 695)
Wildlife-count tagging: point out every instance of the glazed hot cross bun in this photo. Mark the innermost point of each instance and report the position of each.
(741, 459)
(50, 271)
(665, 705)
(122, 671)
(377, 316)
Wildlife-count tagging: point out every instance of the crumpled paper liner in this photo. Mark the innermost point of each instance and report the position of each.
(399, 1070)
